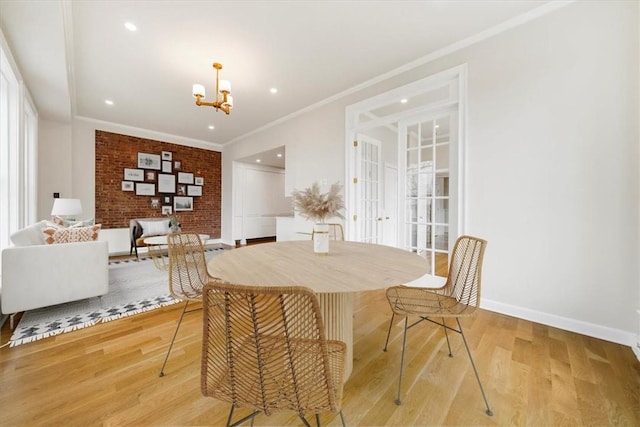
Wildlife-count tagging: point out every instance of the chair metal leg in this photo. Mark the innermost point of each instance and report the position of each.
(161, 374)
(444, 326)
(488, 411)
(389, 332)
(252, 415)
(342, 419)
(317, 420)
(304, 420)
(404, 341)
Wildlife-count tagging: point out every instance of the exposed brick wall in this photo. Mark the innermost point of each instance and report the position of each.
(114, 207)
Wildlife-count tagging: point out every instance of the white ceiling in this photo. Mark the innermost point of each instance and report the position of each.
(76, 54)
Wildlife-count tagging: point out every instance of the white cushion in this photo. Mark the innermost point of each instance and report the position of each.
(427, 281)
(29, 236)
(154, 228)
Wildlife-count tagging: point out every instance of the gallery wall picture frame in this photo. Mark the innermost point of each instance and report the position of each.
(166, 200)
(185, 178)
(167, 210)
(166, 183)
(144, 189)
(166, 167)
(151, 176)
(177, 165)
(182, 190)
(181, 203)
(155, 203)
(194, 190)
(199, 180)
(133, 174)
(149, 161)
(167, 155)
(127, 186)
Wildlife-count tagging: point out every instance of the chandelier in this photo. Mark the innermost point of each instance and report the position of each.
(223, 99)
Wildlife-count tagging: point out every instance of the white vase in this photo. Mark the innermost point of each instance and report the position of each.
(321, 239)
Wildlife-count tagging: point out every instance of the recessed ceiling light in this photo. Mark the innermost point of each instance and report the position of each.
(212, 127)
(404, 100)
(108, 102)
(273, 90)
(130, 26)
(279, 154)
(258, 160)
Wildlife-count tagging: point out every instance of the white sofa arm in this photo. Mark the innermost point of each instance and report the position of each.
(45, 275)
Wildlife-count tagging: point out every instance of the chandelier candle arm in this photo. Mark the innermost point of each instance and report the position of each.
(223, 87)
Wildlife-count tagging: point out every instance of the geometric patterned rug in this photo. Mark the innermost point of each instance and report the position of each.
(134, 287)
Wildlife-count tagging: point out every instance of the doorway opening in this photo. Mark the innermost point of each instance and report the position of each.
(404, 167)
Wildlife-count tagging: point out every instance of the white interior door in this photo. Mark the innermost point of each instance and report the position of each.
(390, 209)
(368, 216)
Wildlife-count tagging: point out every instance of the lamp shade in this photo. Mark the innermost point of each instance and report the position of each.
(198, 89)
(66, 207)
(224, 86)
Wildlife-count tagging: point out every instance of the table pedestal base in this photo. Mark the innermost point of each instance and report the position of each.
(337, 314)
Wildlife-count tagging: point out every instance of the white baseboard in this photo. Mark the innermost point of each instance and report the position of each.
(585, 328)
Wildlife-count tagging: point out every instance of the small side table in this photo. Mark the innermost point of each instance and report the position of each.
(158, 249)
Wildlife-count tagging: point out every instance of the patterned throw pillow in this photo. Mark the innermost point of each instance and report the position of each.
(54, 235)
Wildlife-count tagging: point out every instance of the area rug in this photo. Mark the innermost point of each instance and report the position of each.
(134, 287)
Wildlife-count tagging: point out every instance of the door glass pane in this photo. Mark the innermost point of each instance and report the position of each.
(442, 211)
(442, 237)
(442, 157)
(442, 186)
(412, 160)
(412, 210)
(425, 186)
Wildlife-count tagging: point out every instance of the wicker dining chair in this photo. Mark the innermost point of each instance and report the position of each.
(187, 274)
(265, 348)
(336, 232)
(458, 297)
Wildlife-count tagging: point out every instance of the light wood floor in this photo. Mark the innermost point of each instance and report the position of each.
(533, 375)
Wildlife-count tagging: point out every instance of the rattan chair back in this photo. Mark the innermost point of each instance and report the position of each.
(187, 266)
(465, 272)
(265, 348)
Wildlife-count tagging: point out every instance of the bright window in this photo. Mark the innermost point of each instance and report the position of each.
(18, 149)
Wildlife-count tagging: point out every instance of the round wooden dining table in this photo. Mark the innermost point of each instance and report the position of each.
(348, 267)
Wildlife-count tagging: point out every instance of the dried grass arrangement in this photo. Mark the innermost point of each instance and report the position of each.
(317, 206)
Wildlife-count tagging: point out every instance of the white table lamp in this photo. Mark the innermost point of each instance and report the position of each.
(66, 208)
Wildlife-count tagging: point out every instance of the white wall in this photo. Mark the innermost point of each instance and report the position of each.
(552, 164)
(55, 163)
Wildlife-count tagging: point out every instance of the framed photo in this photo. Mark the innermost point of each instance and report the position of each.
(145, 189)
(166, 200)
(167, 155)
(133, 174)
(127, 186)
(151, 176)
(185, 178)
(177, 165)
(194, 190)
(182, 190)
(182, 203)
(167, 210)
(199, 180)
(166, 167)
(155, 203)
(149, 161)
(166, 183)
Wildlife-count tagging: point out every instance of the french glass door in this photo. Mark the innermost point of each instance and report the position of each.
(428, 187)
